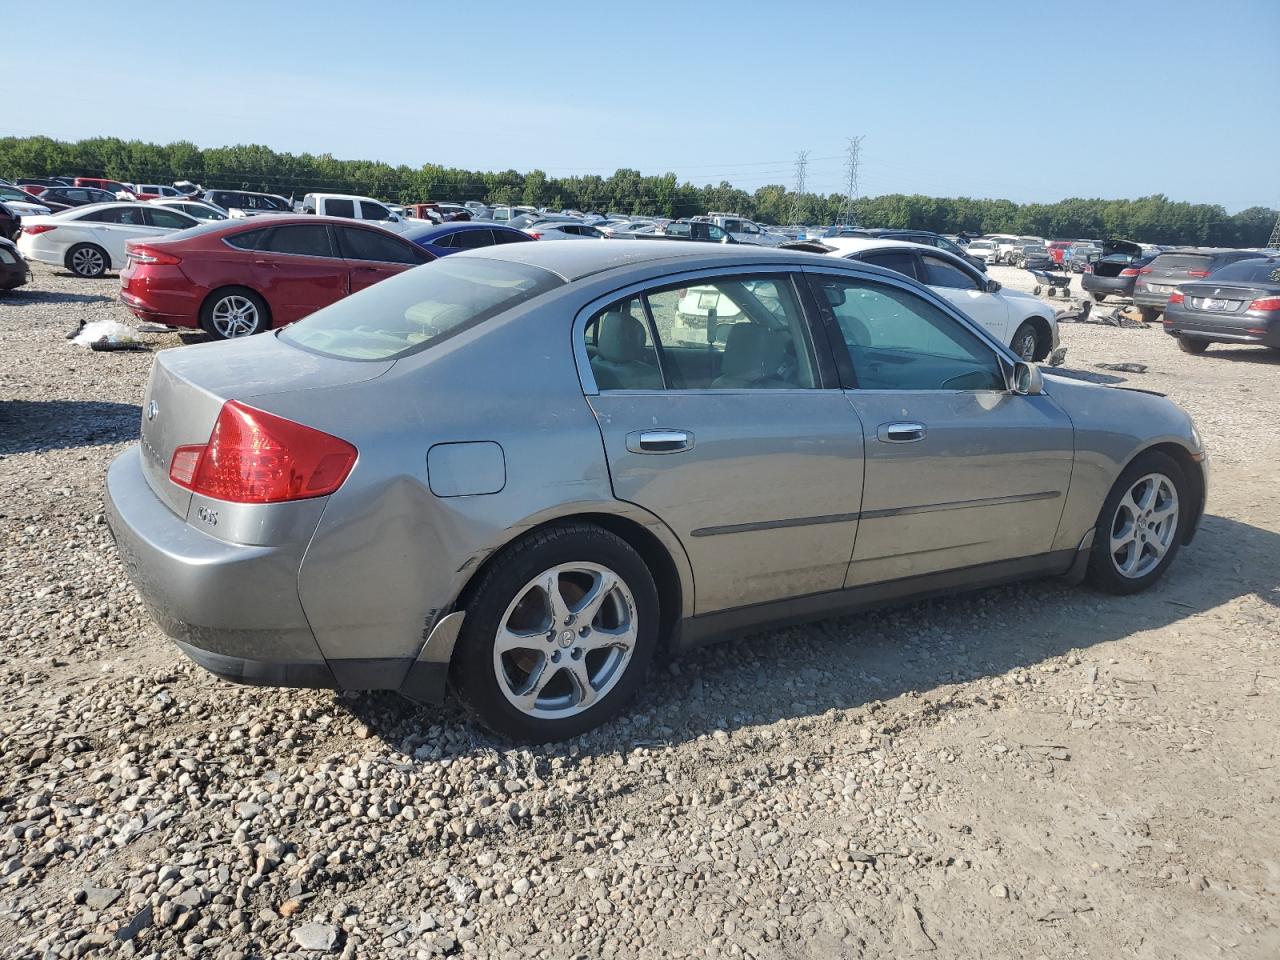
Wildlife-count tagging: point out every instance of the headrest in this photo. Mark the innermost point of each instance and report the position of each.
(621, 338)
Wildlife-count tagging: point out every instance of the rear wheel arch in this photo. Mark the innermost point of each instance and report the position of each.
(672, 577)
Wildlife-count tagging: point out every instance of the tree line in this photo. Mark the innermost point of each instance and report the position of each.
(1153, 219)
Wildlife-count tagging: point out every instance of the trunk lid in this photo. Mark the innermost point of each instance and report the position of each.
(189, 385)
(1126, 247)
(1210, 297)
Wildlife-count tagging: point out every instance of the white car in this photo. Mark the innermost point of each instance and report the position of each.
(1026, 323)
(192, 208)
(21, 202)
(90, 240)
(563, 230)
(984, 250)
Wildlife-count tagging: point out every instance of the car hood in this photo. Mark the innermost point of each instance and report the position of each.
(24, 209)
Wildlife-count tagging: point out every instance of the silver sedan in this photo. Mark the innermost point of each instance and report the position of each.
(527, 471)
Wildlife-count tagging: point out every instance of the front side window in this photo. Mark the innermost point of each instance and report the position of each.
(336, 207)
(510, 236)
(360, 244)
(302, 240)
(733, 334)
(897, 340)
(940, 273)
(622, 353)
(407, 313)
(373, 211)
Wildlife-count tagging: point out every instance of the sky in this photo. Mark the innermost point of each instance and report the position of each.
(1032, 102)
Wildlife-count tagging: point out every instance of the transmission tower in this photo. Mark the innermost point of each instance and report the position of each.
(802, 163)
(848, 212)
(1274, 242)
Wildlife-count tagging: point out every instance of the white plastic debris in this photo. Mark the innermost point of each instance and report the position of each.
(112, 330)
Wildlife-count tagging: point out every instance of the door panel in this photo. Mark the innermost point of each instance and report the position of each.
(766, 501)
(986, 482)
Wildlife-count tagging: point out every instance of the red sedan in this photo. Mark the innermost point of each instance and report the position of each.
(234, 278)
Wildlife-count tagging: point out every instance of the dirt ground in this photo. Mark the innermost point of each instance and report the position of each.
(1022, 772)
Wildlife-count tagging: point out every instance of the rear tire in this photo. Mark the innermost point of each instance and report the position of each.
(1099, 297)
(234, 312)
(535, 669)
(1192, 345)
(1150, 314)
(88, 260)
(1136, 539)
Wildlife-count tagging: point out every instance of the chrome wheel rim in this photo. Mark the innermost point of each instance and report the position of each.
(1144, 526)
(87, 262)
(1025, 347)
(235, 316)
(565, 640)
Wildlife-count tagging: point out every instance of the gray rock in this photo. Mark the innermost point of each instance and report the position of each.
(318, 937)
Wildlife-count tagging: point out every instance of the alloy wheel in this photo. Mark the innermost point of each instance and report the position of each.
(1025, 346)
(235, 316)
(565, 640)
(88, 262)
(1144, 526)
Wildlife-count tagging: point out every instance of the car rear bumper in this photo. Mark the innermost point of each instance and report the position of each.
(1179, 322)
(1144, 297)
(1110, 286)
(144, 310)
(233, 609)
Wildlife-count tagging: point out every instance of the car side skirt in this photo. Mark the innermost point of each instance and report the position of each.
(709, 628)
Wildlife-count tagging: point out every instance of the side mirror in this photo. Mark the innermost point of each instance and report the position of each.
(993, 286)
(1027, 381)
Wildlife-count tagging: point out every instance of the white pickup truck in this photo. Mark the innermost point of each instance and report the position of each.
(744, 230)
(353, 208)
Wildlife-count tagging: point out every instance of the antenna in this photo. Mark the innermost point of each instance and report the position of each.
(848, 211)
(802, 162)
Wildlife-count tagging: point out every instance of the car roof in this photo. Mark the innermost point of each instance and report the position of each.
(861, 244)
(429, 230)
(573, 261)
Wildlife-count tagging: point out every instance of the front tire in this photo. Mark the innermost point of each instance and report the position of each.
(234, 312)
(1192, 345)
(558, 635)
(1025, 343)
(1150, 314)
(88, 260)
(1141, 525)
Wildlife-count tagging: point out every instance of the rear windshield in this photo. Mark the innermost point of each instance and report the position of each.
(418, 308)
(1185, 261)
(1249, 271)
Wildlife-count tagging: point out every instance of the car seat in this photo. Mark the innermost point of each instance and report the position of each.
(621, 360)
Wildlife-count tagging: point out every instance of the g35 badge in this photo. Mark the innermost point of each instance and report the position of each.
(208, 516)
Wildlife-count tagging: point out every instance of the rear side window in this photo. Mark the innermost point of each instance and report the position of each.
(340, 208)
(357, 244)
(246, 240)
(621, 352)
(409, 312)
(1180, 261)
(449, 241)
(899, 261)
(1249, 271)
(161, 217)
(473, 239)
(303, 240)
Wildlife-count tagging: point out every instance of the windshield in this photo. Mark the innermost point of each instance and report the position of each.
(410, 312)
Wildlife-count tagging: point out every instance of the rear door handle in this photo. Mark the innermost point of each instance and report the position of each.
(900, 432)
(659, 441)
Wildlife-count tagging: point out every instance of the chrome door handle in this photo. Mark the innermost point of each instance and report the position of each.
(659, 441)
(900, 432)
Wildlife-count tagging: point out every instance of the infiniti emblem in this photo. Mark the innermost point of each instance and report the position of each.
(152, 410)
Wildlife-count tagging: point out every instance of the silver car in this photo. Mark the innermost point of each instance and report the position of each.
(527, 471)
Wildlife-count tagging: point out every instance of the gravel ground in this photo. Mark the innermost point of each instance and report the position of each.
(1033, 771)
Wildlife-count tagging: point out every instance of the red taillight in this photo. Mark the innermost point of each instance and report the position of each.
(38, 228)
(1265, 303)
(1145, 270)
(1197, 273)
(1088, 268)
(256, 457)
(1175, 297)
(1129, 272)
(536, 236)
(144, 254)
